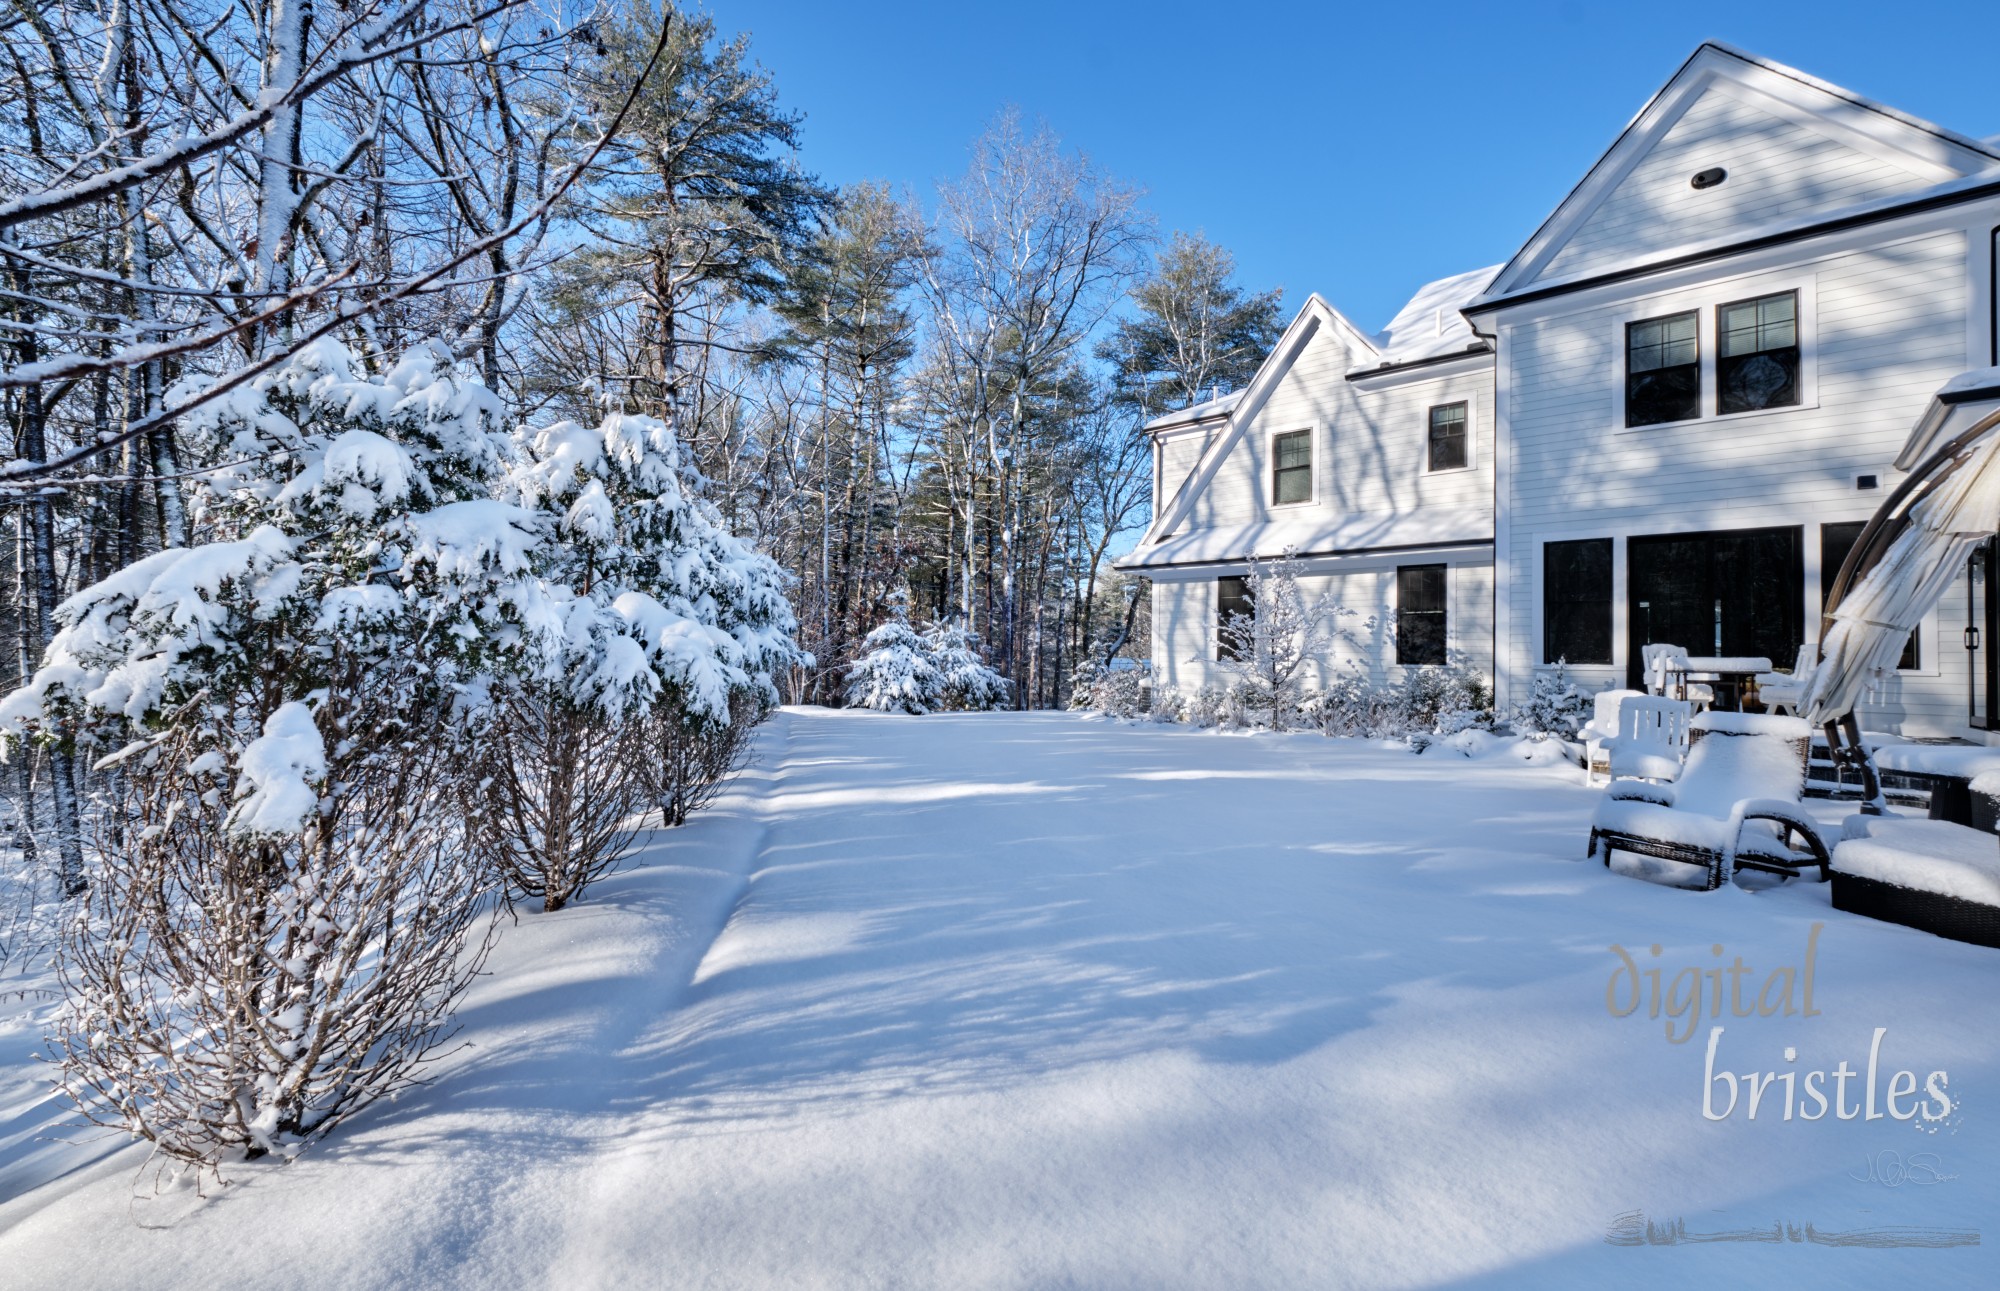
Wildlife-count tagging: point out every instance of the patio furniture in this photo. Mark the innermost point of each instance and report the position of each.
(1601, 730)
(1734, 807)
(1666, 669)
(1652, 739)
(1730, 677)
(1777, 690)
(1932, 875)
(1946, 771)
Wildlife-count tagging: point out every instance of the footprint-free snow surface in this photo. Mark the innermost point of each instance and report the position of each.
(1009, 1000)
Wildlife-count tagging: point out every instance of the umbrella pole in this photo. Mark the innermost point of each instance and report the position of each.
(1848, 749)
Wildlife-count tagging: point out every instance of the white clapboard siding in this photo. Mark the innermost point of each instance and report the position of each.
(1889, 327)
(1184, 621)
(1778, 170)
(1370, 447)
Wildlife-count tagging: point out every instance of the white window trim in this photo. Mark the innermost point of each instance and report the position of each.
(1471, 403)
(1704, 301)
(1270, 466)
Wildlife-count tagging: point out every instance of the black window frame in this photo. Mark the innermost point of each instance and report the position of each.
(1421, 628)
(1911, 659)
(1685, 376)
(1279, 471)
(1573, 611)
(1230, 600)
(1432, 439)
(1726, 363)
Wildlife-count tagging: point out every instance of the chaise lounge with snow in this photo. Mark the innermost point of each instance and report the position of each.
(1735, 805)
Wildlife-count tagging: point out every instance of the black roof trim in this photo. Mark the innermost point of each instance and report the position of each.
(1482, 350)
(1840, 224)
(1462, 544)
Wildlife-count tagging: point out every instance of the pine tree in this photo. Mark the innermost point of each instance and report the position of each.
(1193, 330)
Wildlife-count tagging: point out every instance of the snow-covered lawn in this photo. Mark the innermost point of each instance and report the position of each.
(1006, 1000)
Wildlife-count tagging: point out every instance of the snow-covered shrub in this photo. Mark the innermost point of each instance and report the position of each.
(902, 670)
(1213, 707)
(280, 927)
(1268, 649)
(894, 672)
(1169, 706)
(1555, 706)
(1443, 699)
(1118, 691)
(965, 683)
(1351, 705)
(655, 652)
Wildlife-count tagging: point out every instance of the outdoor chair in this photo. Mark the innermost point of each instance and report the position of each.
(1601, 731)
(1734, 807)
(1778, 690)
(1652, 739)
(1659, 661)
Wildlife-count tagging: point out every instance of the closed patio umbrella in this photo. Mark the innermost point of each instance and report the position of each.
(1931, 523)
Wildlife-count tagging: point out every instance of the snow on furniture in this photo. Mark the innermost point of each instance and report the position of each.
(1778, 690)
(1652, 739)
(1667, 665)
(1932, 875)
(1945, 770)
(1734, 807)
(1601, 730)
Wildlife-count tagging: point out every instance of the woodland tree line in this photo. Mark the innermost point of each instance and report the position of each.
(437, 430)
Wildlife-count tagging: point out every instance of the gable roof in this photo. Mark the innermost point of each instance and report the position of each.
(1928, 155)
(1430, 325)
(1313, 316)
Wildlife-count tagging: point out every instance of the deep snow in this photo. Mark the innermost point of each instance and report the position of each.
(999, 1000)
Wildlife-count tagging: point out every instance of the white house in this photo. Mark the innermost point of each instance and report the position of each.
(1679, 400)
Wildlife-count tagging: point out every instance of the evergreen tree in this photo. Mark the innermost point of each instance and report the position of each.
(1193, 330)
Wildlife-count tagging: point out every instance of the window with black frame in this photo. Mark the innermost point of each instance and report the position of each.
(1663, 370)
(1757, 353)
(1232, 597)
(1835, 541)
(1420, 625)
(1447, 437)
(1576, 601)
(1291, 467)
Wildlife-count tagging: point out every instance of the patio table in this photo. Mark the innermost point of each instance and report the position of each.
(1734, 673)
(1945, 770)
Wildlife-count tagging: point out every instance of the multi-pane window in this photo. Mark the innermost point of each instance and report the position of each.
(1291, 467)
(1835, 541)
(1447, 443)
(1420, 614)
(1663, 370)
(1757, 358)
(1232, 599)
(1576, 601)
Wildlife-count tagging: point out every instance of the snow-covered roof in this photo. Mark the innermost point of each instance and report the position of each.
(1958, 404)
(1345, 534)
(1193, 413)
(1430, 326)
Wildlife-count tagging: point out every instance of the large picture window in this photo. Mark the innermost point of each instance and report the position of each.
(1447, 437)
(1576, 601)
(1757, 353)
(1420, 626)
(1291, 467)
(1835, 541)
(1232, 597)
(1663, 370)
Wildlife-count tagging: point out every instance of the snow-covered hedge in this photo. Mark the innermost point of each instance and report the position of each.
(1429, 702)
(902, 670)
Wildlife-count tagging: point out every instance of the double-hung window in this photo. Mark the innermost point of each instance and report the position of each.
(1663, 369)
(1447, 438)
(1291, 467)
(1420, 627)
(1757, 358)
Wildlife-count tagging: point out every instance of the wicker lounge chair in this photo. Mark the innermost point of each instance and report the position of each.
(1939, 876)
(1734, 807)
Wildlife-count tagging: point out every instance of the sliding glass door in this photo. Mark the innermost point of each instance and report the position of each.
(1734, 592)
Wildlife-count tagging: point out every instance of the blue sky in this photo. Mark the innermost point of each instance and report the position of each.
(1358, 151)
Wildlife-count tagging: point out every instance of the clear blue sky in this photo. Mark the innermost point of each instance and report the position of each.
(1358, 151)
